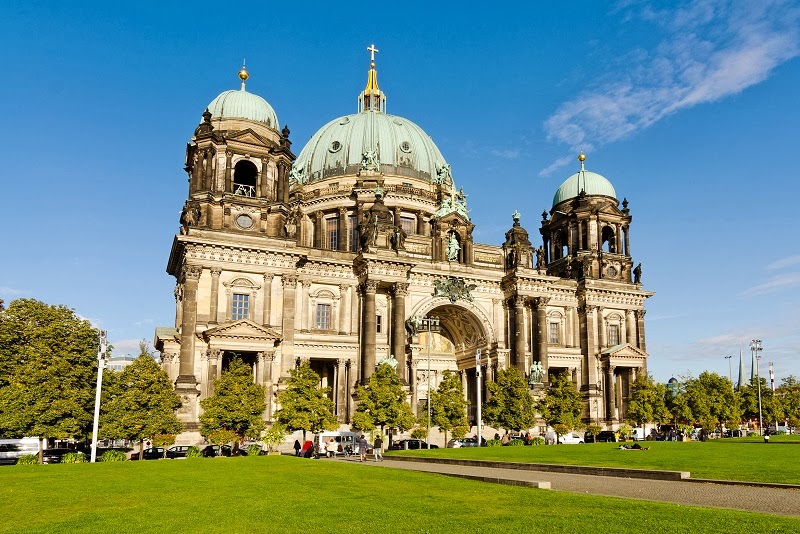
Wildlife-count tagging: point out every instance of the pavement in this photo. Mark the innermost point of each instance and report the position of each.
(721, 494)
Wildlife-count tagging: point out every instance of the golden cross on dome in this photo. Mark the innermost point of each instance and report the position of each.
(371, 49)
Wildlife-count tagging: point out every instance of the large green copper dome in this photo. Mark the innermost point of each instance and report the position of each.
(243, 105)
(402, 148)
(589, 182)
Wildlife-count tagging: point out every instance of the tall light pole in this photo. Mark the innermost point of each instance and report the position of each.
(429, 324)
(755, 348)
(101, 363)
(730, 372)
(479, 415)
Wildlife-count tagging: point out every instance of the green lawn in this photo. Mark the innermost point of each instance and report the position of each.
(727, 459)
(287, 494)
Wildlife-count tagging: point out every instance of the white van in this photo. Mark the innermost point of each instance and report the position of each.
(12, 449)
(345, 442)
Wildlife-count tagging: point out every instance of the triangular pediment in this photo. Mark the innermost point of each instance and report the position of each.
(241, 329)
(247, 136)
(624, 350)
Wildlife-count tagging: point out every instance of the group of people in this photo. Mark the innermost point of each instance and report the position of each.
(332, 447)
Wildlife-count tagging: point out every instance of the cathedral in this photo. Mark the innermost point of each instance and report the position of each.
(360, 250)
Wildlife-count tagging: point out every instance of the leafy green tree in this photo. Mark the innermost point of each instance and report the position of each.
(790, 399)
(594, 430)
(710, 397)
(448, 405)
(236, 405)
(382, 402)
(510, 405)
(773, 407)
(646, 402)
(304, 404)
(141, 402)
(561, 404)
(48, 369)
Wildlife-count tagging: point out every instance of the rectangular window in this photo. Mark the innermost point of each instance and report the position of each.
(553, 337)
(378, 324)
(332, 229)
(323, 321)
(353, 233)
(613, 334)
(240, 306)
(408, 224)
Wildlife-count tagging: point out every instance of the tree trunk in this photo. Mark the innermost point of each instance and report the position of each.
(141, 449)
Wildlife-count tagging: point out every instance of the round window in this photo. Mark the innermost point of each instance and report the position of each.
(336, 146)
(405, 146)
(244, 221)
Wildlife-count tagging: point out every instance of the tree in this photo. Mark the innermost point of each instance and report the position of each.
(510, 405)
(448, 406)
(562, 404)
(710, 397)
(382, 402)
(48, 367)
(141, 403)
(790, 400)
(237, 404)
(304, 404)
(646, 402)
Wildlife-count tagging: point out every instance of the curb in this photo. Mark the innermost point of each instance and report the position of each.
(620, 472)
(775, 485)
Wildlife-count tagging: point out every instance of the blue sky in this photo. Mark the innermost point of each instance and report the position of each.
(689, 108)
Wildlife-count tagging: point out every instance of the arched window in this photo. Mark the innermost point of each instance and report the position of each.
(244, 178)
(609, 242)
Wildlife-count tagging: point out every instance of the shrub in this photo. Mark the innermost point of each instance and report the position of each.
(494, 443)
(113, 456)
(419, 433)
(516, 443)
(28, 459)
(194, 452)
(624, 431)
(253, 450)
(538, 440)
(73, 458)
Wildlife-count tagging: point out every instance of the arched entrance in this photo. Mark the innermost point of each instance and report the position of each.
(464, 328)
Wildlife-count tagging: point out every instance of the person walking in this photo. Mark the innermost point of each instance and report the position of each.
(297, 447)
(362, 448)
(377, 448)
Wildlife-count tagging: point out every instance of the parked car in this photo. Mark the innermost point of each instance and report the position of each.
(410, 444)
(211, 451)
(607, 436)
(462, 442)
(12, 449)
(571, 438)
(151, 453)
(177, 451)
(54, 456)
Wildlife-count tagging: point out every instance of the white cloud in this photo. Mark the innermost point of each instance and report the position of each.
(775, 283)
(777, 264)
(712, 49)
(143, 322)
(126, 346)
(10, 291)
(505, 153)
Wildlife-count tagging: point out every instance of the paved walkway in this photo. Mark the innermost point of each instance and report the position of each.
(752, 499)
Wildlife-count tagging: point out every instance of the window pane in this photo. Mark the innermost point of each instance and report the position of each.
(333, 232)
(240, 306)
(553, 333)
(613, 334)
(353, 233)
(323, 318)
(378, 324)
(408, 224)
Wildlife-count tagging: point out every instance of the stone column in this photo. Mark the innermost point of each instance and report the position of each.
(541, 323)
(601, 326)
(355, 311)
(618, 239)
(630, 328)
(214, 308)
(289, 282)
(191, 275)
(640, 327)
(420, 222)
(610, 385)
(340, 388)
(497, 322)
(627, 230)
(305, 304)
(267, 313)
(569, 337)
(519, 333)
(228, 172)
(343, 309)
(400, 291)
(369, 288)
(342, 233)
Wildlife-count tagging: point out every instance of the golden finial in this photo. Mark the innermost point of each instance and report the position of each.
(243, 74)
(581, 157)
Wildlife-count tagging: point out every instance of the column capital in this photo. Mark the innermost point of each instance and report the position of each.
(541, 302)
(343, 211)
(268, 277)
(400, 289)
(288, 280)
(318, 214)
(370, 286)
(519, 301)
(215, 271)
(640, 313)
(305, 283)
(192, 272)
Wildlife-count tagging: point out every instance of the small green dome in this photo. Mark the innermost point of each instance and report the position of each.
(583, 180)
(243, 105)
(402, 148)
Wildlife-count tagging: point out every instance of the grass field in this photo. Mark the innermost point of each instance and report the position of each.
(287, 494)
(726, 459)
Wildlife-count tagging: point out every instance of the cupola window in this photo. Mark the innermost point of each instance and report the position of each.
(244, 178)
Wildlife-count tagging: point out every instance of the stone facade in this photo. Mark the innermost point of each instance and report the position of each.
(277, 270)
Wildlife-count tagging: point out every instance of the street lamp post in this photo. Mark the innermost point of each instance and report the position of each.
(755, 348)
(429, 324)
(101, 363)
(730, 372)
